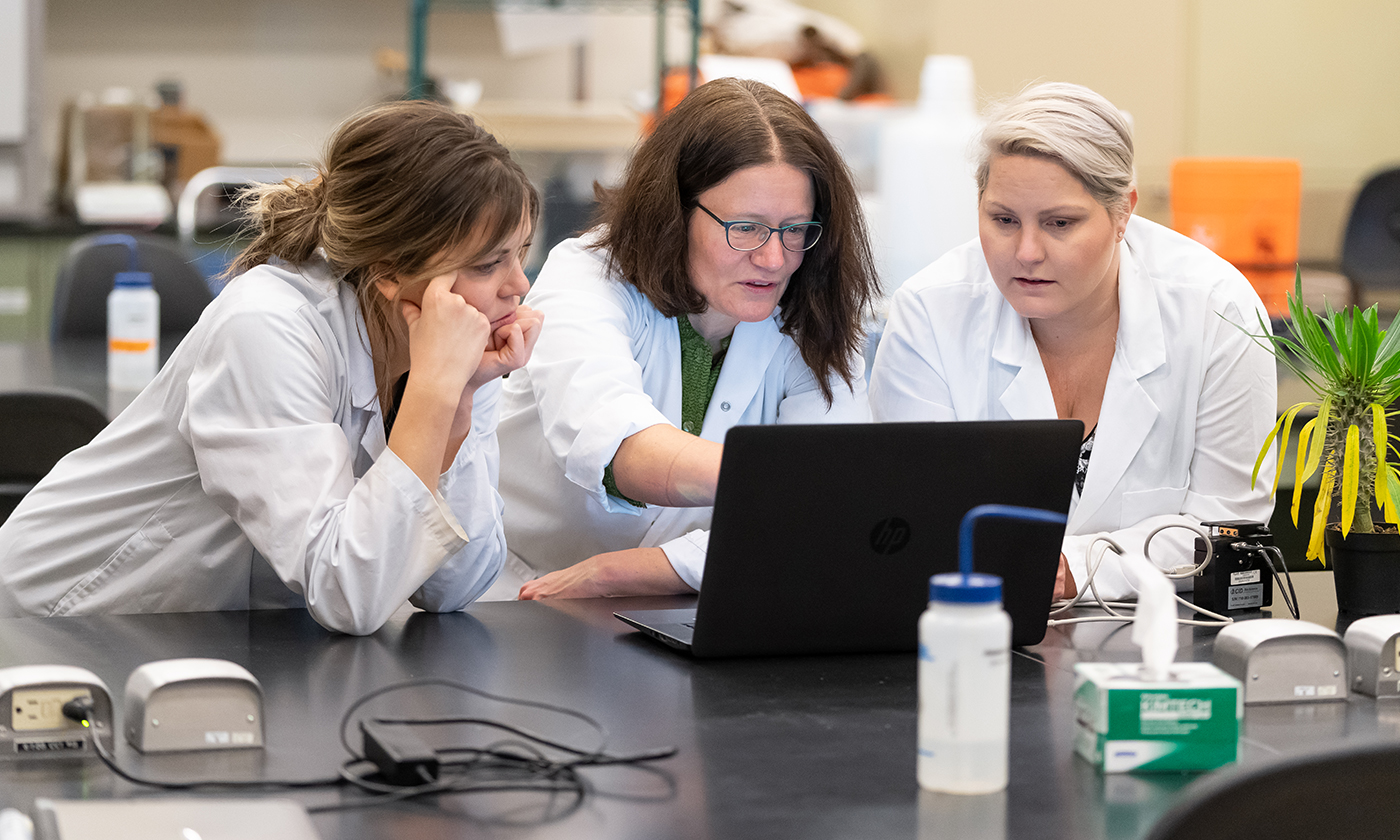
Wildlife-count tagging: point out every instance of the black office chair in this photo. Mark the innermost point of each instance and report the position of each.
(85, 278)
(37, 428)
(1351, 791)
(1371, 246)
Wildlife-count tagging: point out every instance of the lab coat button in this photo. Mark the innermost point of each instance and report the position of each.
(724, 406)
(688, 427)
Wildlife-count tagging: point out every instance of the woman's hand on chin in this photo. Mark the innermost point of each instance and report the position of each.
(509, 346)
(634, 571)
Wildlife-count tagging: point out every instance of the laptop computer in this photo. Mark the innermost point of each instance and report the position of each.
(824, 537)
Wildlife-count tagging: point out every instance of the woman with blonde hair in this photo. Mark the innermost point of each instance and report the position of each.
(725, 284)
(325, 435)
(1067, 305)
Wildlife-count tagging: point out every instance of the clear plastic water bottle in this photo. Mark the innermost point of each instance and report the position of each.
(964, 685)
(133, 332)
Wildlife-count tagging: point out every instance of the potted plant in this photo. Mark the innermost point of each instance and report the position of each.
(1353, 366)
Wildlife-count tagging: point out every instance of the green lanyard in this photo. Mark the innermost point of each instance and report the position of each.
(699, 374)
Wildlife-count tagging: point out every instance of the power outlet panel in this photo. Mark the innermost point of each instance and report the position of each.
(35, 727)
(43, 708)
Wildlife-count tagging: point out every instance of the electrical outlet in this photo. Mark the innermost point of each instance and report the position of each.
(43, 708)
(35, 726)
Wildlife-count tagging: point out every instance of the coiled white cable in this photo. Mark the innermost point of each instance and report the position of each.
(1111, 607)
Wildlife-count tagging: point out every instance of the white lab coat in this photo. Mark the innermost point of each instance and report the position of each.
(1188, 402)
(607, 366)
(253, 472)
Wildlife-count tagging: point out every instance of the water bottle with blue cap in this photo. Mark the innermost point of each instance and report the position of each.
(965, 670)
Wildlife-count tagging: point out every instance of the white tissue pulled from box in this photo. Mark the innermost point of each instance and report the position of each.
(1155, 621)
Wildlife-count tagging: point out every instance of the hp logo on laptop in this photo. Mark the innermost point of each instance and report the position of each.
(889, 536)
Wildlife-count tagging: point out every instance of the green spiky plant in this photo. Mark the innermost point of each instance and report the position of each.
(1353, 366)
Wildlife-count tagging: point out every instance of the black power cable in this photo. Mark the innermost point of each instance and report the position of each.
(1269, 552)
(518, 765)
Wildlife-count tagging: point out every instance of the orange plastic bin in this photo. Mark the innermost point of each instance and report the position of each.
(1246, 210)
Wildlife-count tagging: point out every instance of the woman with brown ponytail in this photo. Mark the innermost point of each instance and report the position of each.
(326, 434)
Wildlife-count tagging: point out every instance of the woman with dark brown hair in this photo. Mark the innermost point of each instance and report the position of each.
(726, 285)
(285, 456)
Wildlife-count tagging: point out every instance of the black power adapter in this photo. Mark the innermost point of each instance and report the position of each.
(402, 757)
(1241, 572)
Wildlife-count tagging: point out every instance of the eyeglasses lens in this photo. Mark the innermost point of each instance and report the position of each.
(747, 237)
(750, 237)
(801, 237)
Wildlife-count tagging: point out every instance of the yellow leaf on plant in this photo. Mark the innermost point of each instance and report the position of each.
(1320, 511)
(1351, 477)
(1392, 489)
(1287, 435)
(1264, 450)
(1378, 437)
(1317, 443)
(1303, 436)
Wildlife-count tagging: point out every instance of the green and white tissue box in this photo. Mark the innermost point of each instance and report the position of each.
(1124, 723)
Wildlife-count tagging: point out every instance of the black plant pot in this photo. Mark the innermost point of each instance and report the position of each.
(1366, 570)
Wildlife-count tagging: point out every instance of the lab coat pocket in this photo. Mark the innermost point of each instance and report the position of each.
(141, 547)
(1141, 504)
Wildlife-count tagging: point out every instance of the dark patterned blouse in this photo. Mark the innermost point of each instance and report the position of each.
(1085, 449)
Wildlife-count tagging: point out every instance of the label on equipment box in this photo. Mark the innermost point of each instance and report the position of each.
(57, 745)
(1251, 576)
(1244, 597)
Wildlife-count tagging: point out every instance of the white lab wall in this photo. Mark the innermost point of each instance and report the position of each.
(275, 76)
(1294, 78)
(1288, 78)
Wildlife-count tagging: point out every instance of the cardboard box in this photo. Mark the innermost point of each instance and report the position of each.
(1126, 724)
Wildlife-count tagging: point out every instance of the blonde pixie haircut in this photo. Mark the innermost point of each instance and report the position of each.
(1071, 125)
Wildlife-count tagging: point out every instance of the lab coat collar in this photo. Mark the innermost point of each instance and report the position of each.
(364, 393)
(1129, 412)
(751, 349)
(1141, 338)
(335, 301)
(359, 364)
(1028, 396)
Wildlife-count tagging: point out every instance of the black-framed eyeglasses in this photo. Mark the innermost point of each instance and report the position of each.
(750, 236)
